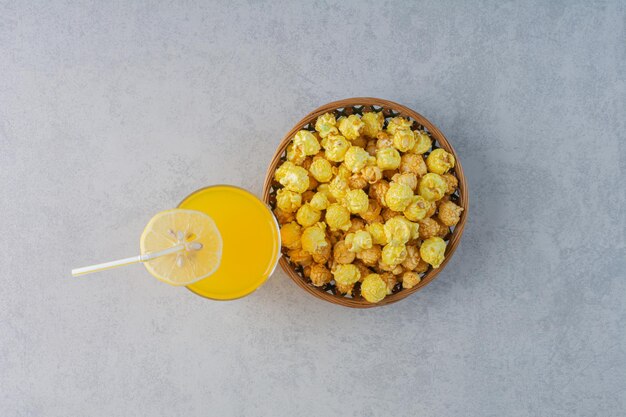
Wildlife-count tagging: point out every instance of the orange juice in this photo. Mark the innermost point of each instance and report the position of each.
(251, 241)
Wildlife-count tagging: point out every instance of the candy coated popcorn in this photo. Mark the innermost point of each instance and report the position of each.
(409, 179)
(319, 275)
(338, 187)
(351, 126)
(432, 187)
(323, 255)
(341, 254)
(423, 142)
(321, 170)
(356, 224)
(300, 257)
(417, 208)
(384, 140)
(283, 216)
(319, 201)
(413, 163)
(388, 213)
(338, 217)
(428, 228)
(344, 288)
(403, 140)
(359, 240)
(370, 256)
(373, 288)
(451, 182)
(356, 158)
(292, 177)
(306, 142)
(325, 189)
(361, 142)
(356, 201)
(290, 235)
(335, 147)
(373, 123)
(377, 230)
(449, 213)
(390, 280)
(346, 274)
(398, 123)
(433, 250)
(373, 211)
(412, 257)
(295, 155)
(378, 192)
(439, 161)
(372, 174)
(307, 215)
(388, 158)
(410, 279)
(398, 196)
(288, 201)
(307, 196)
(399, 229)
(357, 181)
(394, 253)
(314, 238)
(326, 125)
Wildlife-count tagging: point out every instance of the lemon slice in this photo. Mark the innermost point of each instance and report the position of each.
(192, 229)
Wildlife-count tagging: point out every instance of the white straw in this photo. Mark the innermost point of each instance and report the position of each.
(127, 261)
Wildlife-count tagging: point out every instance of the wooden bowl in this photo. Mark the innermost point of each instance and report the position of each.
(390, 109)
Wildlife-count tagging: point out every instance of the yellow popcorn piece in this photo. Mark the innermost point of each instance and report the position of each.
(398, 123)
(292, 177)
(338, 187)
(432, 187)
(314, 239)
(320, 275)
(290, 235)
(372, 173)
(356, 201)
(403, 140)
(373, 123)
(358, 241)
(449, 213)
(439, 161)
(307, 215)
(423, 142)
(335, 147)
(409, 179)
(325, 189)
(356, 158)
(418, 208)
(413, 163)
(399, 229)
(288, 201)
(295, 155)
(319, 201)
(398, 196)
(343, 171)
(388, 158)
(377, 231)
(433, 250)
(326, 125)
(410, 279)
(321, 170)
(373, 288)
(346, 274)
(338, 217)
(350, 127)
(306, 142)
(394, 253)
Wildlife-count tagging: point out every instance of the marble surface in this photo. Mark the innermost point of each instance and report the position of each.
(112, 111)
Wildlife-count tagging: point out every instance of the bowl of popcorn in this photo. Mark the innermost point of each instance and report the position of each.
(371, 200)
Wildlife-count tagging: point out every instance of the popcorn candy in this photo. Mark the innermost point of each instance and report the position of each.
(320, 275)
(378, 192)
(410, 279)
(412, 257)
(372, 174)
(335, 147)
(292, 177)
(370, 147)
(388, 213)
(388, 158)
(394, 253)
(356, 224)
(432, 187)
(300, 257)
(295, 155)
(417, 208)
(399, 196)
(351, 126)
(314, 238)
(372, 123)
(403, 140)
(390, 280)
(398, 123)
(288, 201)
(423, 142)
(413, 163)
(370, 256)
(307, 215)
(428, 228)
(373, 211)
(321, 170)
(409, 179)
(319, 201)
(307, 196)
(377, 231)
(451, 182)
(439, 161)
(346, 274)
(306, 142)
(356, 158)
(341, 254)
(359, 240)
(398, 229)
(363, 269)
(357, 181)
(338, 217)
(283, 216)
(290, 235)
(373, 288)
(326, 125)
(325, 189)
(449, 213)
(433, 250)
(356, 201)
(361, 142)
(383, 140)
(338, 187)
(322, 255)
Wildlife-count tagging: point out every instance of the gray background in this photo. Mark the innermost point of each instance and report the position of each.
(113, 111)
